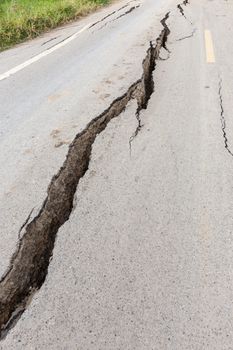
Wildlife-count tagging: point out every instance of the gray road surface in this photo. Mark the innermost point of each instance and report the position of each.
(145, 260)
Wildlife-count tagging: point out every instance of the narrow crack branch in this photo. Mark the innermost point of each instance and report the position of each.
(48, 41)
(222, 118)
(131, 9)
(138, 128)
(110, 14)
(188, 36)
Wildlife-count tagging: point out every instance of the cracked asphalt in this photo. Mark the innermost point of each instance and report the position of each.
(145, 260)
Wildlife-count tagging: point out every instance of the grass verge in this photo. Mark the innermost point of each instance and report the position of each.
(26, 19)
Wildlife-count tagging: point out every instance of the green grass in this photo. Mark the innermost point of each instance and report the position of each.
(26, 19)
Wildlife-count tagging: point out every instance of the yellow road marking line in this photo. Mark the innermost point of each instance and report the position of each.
(210, 57)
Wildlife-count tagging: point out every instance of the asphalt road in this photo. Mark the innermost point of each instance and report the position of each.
(145, 258)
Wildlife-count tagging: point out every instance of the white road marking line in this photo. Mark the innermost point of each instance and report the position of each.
(48, 51)
(210, 56)
(42, 54)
